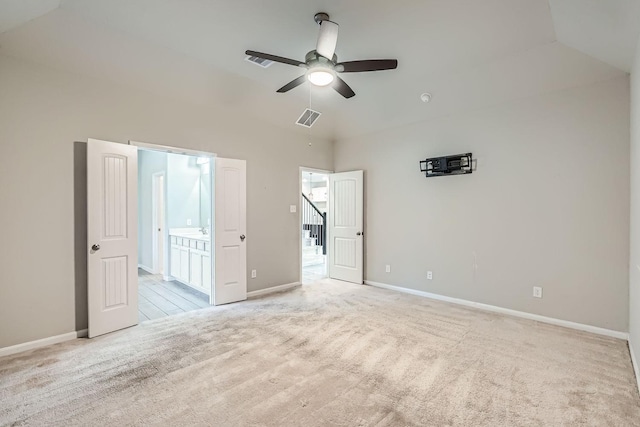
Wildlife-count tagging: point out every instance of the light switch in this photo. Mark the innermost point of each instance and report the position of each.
(292, 208)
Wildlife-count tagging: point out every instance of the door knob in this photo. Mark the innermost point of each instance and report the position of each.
(95, 247)
(359, 234)
(242, 237)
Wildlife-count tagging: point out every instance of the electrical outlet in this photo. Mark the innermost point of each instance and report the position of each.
(537, 291)
(429, 275)
(292, 208)
(387, 268)
(188, 221)
(254, 274)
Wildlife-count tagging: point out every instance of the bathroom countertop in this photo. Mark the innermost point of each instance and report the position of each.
(204, 237)
(195, 234)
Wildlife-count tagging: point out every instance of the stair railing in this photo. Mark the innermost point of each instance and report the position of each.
(315, 221)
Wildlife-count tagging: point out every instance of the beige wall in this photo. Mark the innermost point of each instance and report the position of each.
(634, 263)
(548, 205)
(42, 113)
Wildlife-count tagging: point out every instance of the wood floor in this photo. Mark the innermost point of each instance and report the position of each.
(157, 298)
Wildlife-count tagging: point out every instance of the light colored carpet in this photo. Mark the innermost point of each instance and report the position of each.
(327, 354)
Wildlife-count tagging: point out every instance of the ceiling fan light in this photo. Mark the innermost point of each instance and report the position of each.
(320, 77)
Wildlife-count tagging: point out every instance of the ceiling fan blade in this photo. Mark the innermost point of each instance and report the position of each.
(342, 88)
(367, 65)
(327, 39)
(275, 58)
(293, 83)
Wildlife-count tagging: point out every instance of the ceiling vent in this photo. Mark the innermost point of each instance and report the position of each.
(264, 63)
(308, 118)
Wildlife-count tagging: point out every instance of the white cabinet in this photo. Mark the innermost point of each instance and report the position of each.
(200, 270)
(184, 264)
(175, 261)
(196, 269)
(206, 268)
(191, 262)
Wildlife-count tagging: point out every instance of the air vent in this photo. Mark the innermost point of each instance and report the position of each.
(264, 63)
(308, 118)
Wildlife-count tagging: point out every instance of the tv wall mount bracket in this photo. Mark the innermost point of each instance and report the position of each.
(458, 164)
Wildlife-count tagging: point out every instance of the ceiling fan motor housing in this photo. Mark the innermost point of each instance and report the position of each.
(313, 58)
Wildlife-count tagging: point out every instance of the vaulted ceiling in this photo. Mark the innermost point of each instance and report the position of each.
(468, 54)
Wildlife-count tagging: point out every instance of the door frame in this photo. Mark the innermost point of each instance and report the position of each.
(155, 250)
(302, 169)
(187, 152)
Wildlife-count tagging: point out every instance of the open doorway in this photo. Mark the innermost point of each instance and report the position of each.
(193, 254)
(314, 201)
(174, 233)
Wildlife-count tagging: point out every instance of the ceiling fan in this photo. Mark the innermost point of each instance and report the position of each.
(322, 63)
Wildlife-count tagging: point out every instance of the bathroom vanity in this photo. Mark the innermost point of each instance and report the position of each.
(191, 258)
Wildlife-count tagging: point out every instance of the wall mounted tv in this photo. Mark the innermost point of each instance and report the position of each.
(458, 164)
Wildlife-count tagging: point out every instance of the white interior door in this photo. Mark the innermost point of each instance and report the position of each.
(230, 231)
(112, 231)
(346, 231)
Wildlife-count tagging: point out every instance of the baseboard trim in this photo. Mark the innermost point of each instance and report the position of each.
(273, 289)
(19, 348)
(150, 271)
(147, 269)
(507, 311)
(634, 362)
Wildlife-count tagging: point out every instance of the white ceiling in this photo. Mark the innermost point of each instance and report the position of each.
(468, 54)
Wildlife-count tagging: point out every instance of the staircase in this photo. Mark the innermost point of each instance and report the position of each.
(311, 251)
(314, 232)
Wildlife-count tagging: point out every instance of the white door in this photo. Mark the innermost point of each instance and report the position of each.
(112, 232)
(346, 231)
(230, 231)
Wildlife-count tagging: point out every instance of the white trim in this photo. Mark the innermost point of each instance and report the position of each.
(212, 233)
(273, 289)
(145, 268)
(169, 149)
(507, 311)
(314, 170)
(19, 348)
(634, 362)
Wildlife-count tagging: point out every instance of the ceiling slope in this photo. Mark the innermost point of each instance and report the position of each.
(467, 54)
(14, 13)
(605, 29)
